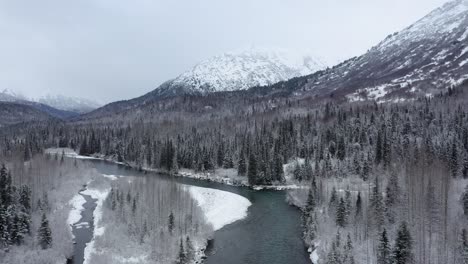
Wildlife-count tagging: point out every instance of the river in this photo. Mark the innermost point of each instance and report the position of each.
(270, 234)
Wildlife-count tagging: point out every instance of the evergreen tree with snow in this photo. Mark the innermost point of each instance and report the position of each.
(190, 251)
(376, 206)
(333, 198)
(348, 254)
(311, 203)
(348, 202)
(384, 249)
(464, 247)
(464, 200)
(252, 170)
(465, 167)
(171, 223)
(402, 250)
(392, 197)
(241, 166)
(181, 256)
(341, 215)
(454, 162)
(44, 233)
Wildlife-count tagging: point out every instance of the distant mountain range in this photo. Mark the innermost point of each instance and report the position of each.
(230, 72)
(21, 108)
(424, 59)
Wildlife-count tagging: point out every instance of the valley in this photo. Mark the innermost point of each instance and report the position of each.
(255, 156)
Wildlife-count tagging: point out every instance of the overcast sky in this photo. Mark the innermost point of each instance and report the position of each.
(113, 49)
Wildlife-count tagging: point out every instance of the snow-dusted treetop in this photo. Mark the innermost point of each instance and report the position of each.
(241, 70)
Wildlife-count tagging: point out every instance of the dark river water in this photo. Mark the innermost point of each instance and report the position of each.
(270, 234)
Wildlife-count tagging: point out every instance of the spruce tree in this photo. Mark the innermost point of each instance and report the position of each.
(311, 203)
(333, 198)
(190, 251)
(341, 213)
(181, 257)
(358, 212)
(464, 200)
(464, 247)
(453, 162)
(378, 148)
(252, 171)
(384, 250)
(241, 166)
(44, 233)
(376, 206)
(392, 197)
(170, 225)
(348, 254)
(402, 251)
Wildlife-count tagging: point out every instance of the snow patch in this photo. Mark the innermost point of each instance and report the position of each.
(76, 204)
(462, 63)
(100, 196)
(220, 207)
(110, 177)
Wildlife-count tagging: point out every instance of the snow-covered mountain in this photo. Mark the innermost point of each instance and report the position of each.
(240, 71)
(73, 104)
(60, 102)
(235, 71)
(425, 58)
(10, 96)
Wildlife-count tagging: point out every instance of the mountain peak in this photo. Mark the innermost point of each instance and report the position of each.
(242, 70)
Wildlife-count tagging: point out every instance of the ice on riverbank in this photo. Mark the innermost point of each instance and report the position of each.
(76, 204)
(67, 152)
(221, 208)
(100, 196)
(110, 177)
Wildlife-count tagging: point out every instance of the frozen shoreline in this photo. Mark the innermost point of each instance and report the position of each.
(100, 196)
(74, 216)
(220, 207)
(206, 176)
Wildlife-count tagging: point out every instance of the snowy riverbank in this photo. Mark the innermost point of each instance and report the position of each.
(220, 207)
(224, 176)
(76, 204)
(100, 196)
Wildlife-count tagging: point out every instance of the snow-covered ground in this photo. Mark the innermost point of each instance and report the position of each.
(67, 152)
(220, 207)
(100, 196)
(224, 176)
(230, 177)
(76, 204)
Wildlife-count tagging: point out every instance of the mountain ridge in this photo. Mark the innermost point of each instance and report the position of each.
(422, 59)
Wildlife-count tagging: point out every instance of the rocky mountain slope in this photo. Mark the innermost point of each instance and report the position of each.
(229, 72)
(427, 57)
(240, 71)
(424, 59)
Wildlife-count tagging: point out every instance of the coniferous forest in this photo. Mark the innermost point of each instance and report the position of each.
(145, 132)
(382, 183)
